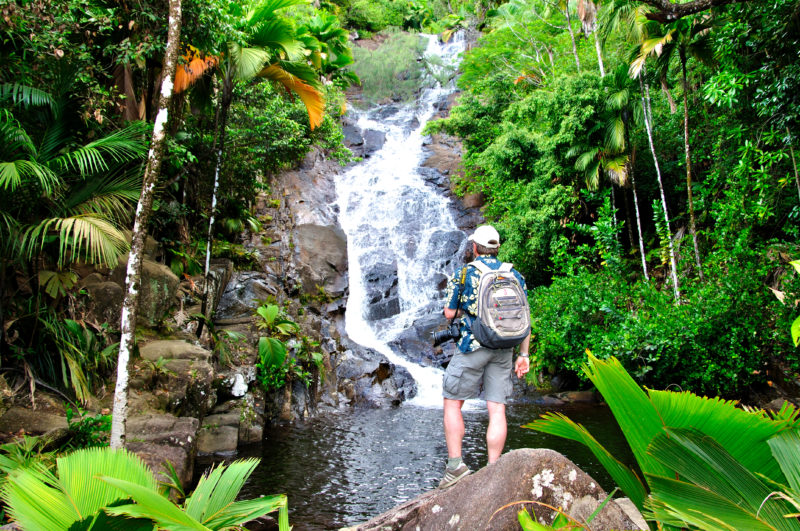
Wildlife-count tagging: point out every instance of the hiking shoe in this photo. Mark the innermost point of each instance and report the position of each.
(451, 476)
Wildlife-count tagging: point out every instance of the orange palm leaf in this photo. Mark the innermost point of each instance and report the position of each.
(196, 64)
(312, 98)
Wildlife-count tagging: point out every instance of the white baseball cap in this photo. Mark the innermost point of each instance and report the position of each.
(486, 236)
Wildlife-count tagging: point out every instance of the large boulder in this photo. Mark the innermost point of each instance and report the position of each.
(185, 375)
(491, 497)
(157, 290)
(367, 379)
(321, 258)
(162, 438)
(243, 293)
(381, 283)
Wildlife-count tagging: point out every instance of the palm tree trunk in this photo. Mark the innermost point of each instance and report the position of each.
(665, 89)
(692, 224)
(572, 36)
(636, 207)
(794, 163)
(628, 218)
(649, 127)
(225, 103)
(143, 210)
(639, 227)
(599, 55)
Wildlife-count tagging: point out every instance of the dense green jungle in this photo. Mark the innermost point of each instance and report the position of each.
(638, 158)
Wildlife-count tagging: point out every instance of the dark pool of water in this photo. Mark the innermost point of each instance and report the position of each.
(344, 469)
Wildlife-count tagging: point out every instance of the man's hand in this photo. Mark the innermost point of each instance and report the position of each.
(522, 366)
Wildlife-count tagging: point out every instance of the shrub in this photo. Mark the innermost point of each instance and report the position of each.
(395, 70)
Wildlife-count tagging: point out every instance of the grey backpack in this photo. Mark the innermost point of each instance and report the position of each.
(504, 318)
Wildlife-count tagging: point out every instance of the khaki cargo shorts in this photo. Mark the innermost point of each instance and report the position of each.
(467, 371)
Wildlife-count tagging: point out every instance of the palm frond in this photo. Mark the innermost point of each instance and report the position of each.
(247, 62)
(277, 34)
(13, 137)
(13, 173)
(85, 236)
(560, 425)
(637, 416)
(698, 459)
(614, 134)
(55, 137)
(40, 500)
(265, 9)
(111, 196)
(120, 146)
(743, 434)
(236, 514)
(696, 506)
(618, 168)
(312, 98)
(784, 448)
(219, 488)
(195, 66)
(150, 504)
(25, 95)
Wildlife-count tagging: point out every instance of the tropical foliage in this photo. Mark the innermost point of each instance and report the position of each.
(684, 275)
(706, 463)
(102, 488)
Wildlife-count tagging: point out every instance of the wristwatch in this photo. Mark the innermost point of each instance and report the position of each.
(523, 354)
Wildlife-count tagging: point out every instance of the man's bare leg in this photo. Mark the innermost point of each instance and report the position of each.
(453, 426)
(495, 433)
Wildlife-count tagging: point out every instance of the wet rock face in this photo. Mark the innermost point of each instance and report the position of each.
(186, 375)
(487, 498)
(321, 257)
(240, 296)
(368, 379)
(381, 289)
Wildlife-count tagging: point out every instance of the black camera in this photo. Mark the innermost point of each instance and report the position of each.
(453, 331)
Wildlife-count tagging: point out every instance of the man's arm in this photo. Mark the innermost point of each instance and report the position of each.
(523, 363)
(451, 313)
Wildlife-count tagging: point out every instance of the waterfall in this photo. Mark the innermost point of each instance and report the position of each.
(394, 219)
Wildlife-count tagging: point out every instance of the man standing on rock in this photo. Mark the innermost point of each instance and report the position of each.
(474, 364)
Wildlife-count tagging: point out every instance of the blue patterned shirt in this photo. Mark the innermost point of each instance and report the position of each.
(469, 299)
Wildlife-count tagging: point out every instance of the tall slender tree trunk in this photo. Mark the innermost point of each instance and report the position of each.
(599, 55)
(665, 89)
(692, 224)
(572, 36)
(143, 210)
(225, 103)
(794, 162)
(628, 218)
(649, 127)
(639, 228)
(636, 207)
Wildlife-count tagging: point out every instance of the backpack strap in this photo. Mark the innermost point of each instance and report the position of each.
(480, 266)
(483, 268)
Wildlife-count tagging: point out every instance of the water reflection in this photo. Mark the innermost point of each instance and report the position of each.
(342, 470)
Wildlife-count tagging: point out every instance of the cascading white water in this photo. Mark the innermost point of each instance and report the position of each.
(390, 215)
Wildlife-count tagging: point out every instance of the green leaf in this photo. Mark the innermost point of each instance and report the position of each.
(637, 416)
(528, 523)
(240, 512)
(743, 434)
(701, 507)
(702, 461)
(796, 332)
(558, 424)
(151, 504)
(218, 489)
(42, 500)
(271, 351)
(786, 449)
